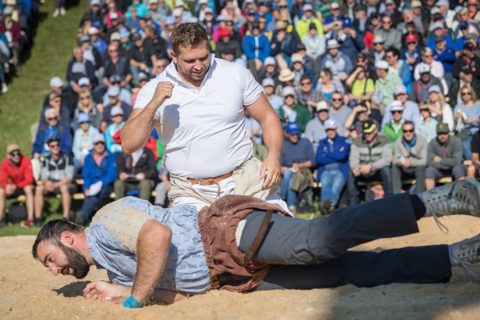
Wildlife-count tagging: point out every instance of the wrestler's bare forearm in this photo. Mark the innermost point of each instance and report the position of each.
(152, 254)
(138, 127)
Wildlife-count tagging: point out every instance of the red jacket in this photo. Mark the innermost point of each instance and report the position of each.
(20, 176)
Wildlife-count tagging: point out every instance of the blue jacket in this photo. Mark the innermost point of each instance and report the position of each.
(447, 58)
(431, 42)
(40, 143)
(106, 172)
(263, 47)
(339, 154)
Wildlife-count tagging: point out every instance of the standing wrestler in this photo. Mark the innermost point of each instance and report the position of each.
(197, 105)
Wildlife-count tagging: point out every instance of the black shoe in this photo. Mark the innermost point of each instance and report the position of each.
(327, 206)
(2, 223)
(79, 218)
(38, 222)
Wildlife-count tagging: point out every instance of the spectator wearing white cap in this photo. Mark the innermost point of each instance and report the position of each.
(78, 68)
(113, 94)
(315, 129)
(300, 69)
(291, 111)
(97, 41)
(436, 67)
(333, 21)
(303, 24)
(269, 90)
(378, 48)
(393, 128)
(409, 158)
(118, 122)
(83, 139)
(332, 165)
(386, 83)
(441, 111)
(420, 87)
(57, 86)
(125, 95)
(64, 113)
(314, 42)
(410, 108)
(98, 173)
(270, 70)
(336, 61)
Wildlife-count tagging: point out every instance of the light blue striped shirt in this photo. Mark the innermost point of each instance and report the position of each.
(112, 239)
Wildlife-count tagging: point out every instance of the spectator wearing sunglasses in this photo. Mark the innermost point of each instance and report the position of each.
(16, 177)
(393, 129)
(409, 158)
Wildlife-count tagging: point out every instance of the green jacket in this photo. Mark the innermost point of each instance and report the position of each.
(303, 116)
(392, 134)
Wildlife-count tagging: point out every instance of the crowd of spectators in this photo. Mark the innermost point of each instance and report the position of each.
(373, 91)
(18, 21)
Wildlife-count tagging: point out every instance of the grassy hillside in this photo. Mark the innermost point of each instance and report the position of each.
(20, 107)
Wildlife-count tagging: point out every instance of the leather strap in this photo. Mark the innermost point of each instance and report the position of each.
(210, 181)
(259, 237)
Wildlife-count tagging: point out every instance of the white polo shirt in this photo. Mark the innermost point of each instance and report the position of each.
(203, 128)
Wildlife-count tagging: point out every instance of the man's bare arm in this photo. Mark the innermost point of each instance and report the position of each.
(152, 254)
(141, 122)
(263, 112)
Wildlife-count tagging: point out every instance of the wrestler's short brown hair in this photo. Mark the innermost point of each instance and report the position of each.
(188, 34)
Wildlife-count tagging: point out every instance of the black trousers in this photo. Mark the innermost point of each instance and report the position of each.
(313, 254)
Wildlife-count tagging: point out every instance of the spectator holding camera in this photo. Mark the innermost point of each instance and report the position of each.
(361, 86)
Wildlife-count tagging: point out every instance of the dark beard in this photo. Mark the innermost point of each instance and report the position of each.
(76, 261)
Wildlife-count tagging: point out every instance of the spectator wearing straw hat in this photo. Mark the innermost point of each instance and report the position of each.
(16, 177)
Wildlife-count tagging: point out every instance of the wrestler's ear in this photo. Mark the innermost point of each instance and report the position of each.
(67, 238)
(174, 57)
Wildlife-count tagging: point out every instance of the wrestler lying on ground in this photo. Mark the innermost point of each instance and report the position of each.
(156, 255)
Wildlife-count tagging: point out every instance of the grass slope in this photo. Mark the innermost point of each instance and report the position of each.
(21, 106)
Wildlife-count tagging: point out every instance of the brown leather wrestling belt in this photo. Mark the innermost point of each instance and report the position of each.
(210, 181)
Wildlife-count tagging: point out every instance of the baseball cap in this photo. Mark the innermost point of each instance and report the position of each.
(53, 139)
(115, 36)
(56, 82)
(297, 58)
(124, 33)
(116, 111)
(347, 22)
(270, 61)
(442, 3)
(334, 5)
(396, 106)
(288, 91)
(12, 147)
(411, 38)
(368, 126)
(83, 117)
(113, 91)
(322, 105)
(442, 128)
(98, 138)
(434, 88)
(400, 90)
(307, 7)
(360, 7)
(83, 39)
(142, 76)
(93, 30)
(382, 64)
(439, 39)
(330, 124)
(268, 82)
(416, 4)
(332, 44)
(378, 38)
(115, 78)
(424, 68)
(84, 82)
(50, 113)
(95, 2)
(436, 25)
(292, 128)
(114, 16)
